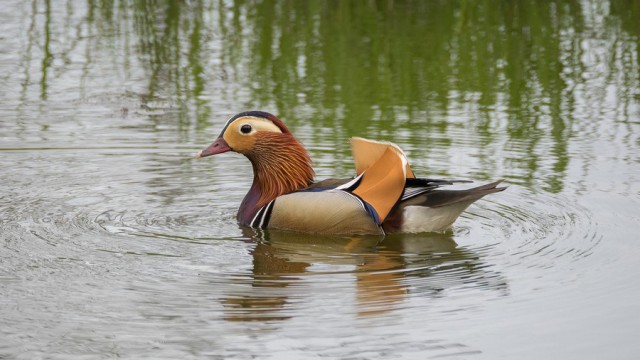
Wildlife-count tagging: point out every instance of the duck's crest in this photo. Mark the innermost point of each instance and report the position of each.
(258, 114)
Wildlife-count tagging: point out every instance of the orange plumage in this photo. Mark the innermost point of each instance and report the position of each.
(280, 166)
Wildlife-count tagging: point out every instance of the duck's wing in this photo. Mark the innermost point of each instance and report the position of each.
(433, 198)
(382, 184)
(417, 186)
(366, 153)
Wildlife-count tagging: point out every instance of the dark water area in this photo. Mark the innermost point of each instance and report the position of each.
(116, 242)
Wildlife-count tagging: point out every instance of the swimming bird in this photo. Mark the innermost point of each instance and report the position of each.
(384, 195)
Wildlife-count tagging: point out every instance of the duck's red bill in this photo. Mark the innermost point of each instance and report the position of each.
(219, 146)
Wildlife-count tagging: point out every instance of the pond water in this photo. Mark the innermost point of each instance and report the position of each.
(116, 242)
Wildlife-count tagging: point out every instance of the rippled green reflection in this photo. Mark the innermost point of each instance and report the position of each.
(509, 83)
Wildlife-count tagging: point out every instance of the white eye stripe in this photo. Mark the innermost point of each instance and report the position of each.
(256, 124)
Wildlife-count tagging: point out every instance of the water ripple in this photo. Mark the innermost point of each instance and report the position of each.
(172, 257)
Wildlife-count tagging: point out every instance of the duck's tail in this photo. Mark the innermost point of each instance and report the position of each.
(435, 210)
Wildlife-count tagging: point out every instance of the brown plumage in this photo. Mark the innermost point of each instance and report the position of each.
(384, 196)
(280, 166)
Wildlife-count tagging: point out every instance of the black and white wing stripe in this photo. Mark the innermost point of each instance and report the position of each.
(261, 219)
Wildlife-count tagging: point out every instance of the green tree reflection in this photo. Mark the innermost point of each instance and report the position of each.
(446, 74)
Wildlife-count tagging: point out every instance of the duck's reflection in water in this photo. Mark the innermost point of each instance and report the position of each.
(384, 270)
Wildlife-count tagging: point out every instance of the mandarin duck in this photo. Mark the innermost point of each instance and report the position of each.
(384, 196)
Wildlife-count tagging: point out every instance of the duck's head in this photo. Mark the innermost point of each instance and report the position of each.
(248, 132)
(280, 163)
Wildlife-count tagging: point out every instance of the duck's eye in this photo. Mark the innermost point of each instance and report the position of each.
(245, 129)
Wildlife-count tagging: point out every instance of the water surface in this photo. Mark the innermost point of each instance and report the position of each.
(115, 242)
